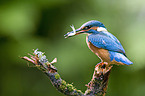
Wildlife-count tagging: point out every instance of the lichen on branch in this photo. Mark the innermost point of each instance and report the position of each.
(39, 60)
(96, 87)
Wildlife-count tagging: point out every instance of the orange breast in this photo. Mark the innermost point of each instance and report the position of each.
(103, 54)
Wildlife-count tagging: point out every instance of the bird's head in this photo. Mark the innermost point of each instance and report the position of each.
(89, 27)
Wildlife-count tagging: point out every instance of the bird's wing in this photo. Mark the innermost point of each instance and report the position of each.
(105, 42)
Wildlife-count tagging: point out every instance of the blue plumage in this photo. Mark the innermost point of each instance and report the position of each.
(93, 23)
(105, 45)
(109, 42)
(119, 57)
(101, 40)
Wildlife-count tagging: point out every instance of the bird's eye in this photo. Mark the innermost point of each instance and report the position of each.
(87, 27)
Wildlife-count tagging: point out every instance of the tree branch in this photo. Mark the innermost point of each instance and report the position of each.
(97, 86)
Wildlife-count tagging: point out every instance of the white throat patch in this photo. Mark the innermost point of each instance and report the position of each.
(101, 29)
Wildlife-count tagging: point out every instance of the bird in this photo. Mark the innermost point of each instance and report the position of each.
(102, 43)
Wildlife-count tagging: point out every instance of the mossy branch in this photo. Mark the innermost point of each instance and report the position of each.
(96, 87)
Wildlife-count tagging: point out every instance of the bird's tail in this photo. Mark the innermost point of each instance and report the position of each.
(119, 57)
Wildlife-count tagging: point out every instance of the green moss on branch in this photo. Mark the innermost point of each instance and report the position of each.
(39, 60)
(96, 87)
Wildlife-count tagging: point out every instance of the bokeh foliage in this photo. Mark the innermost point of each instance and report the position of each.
(31, 24)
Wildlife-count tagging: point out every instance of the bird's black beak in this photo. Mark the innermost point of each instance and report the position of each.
(74, 32)
(79, 31)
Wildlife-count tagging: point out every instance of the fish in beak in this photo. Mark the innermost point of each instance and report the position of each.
(74, 32)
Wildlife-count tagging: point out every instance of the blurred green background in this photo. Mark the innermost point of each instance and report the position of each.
(31, 24)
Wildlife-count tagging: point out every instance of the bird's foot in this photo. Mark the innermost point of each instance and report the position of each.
(103, 67)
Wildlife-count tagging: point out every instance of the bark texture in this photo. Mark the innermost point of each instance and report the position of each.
(96, 87)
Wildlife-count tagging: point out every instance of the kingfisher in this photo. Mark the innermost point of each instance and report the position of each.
(104, 44)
